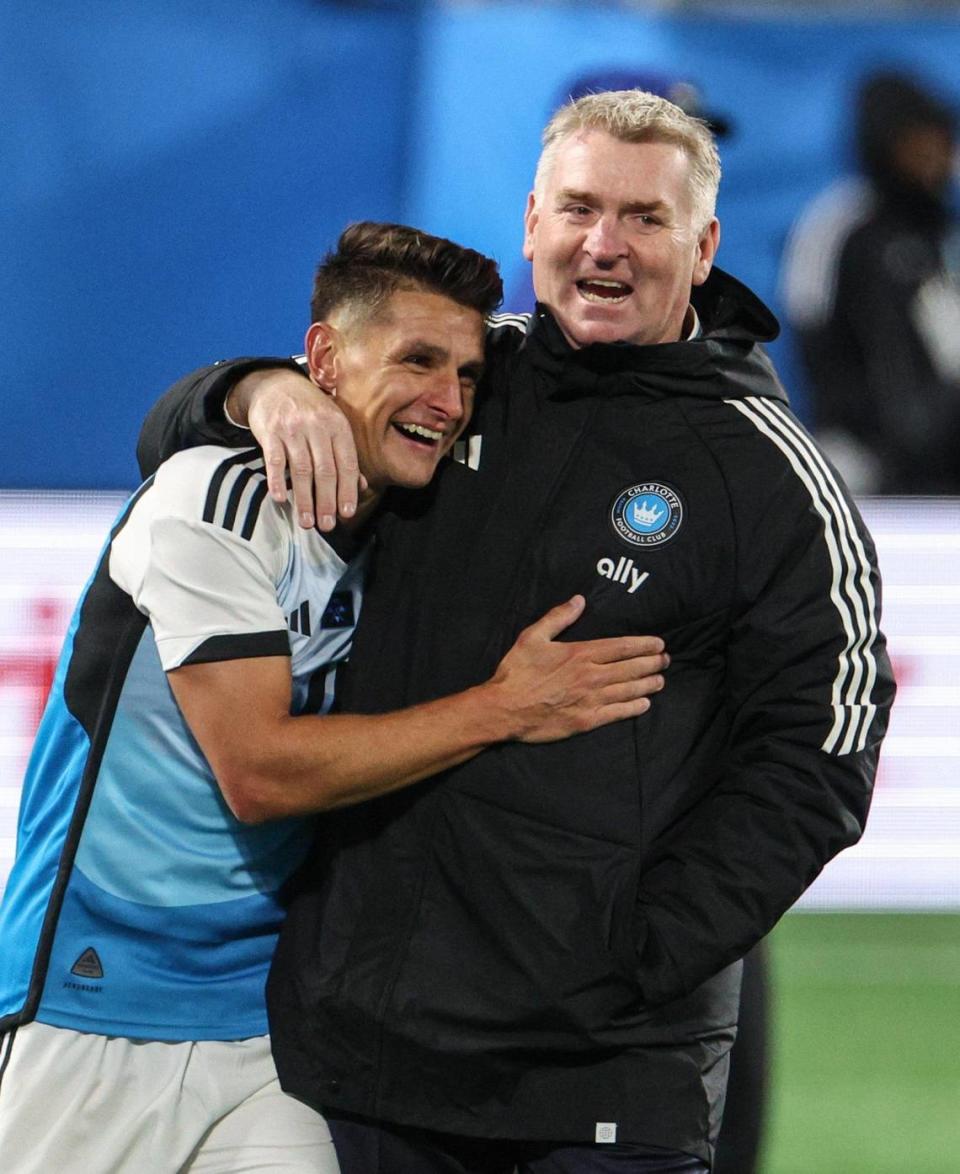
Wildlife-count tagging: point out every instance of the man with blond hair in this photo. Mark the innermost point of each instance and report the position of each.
(532, 961)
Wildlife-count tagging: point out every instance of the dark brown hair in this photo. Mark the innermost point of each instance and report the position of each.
(372, 261)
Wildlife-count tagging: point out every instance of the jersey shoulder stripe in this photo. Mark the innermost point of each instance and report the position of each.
(253, 509)
(852, 591)
(236, 492)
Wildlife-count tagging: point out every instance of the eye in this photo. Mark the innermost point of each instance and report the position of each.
(578, 211)
(418, 359)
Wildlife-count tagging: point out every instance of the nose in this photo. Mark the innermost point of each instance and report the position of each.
(605, 242)
(446, 395)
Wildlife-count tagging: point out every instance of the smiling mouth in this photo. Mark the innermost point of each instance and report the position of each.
(604, 292)
(419, 433)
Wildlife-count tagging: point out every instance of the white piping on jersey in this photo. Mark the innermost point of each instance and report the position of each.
(851, 590)
(467, 451)
(519, 322)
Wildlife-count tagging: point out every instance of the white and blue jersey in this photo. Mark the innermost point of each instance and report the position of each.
(138, 905)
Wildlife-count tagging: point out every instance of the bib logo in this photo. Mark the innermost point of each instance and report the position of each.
(648, 514)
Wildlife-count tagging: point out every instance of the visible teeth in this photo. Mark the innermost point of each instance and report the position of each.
(420, 430)
(588, 292)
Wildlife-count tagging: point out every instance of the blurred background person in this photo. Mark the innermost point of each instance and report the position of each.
(872, 290)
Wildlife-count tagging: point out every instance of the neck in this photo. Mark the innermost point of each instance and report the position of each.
(689, 328)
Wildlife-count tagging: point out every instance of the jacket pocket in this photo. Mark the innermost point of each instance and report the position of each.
(515, 933)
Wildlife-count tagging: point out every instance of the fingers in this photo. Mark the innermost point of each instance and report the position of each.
(603, 651)
(280, 434)
(335, 470)
(634, 668)
(632, 690)
(322, 478)
(302, 464)
(602, 697)
(306, 435)
(624, 700)
(350, 482)
(556, 620)
(616, 713)
(613, 648)
(275, 460)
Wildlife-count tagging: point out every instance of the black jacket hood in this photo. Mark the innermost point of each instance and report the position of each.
(890, 104)
(724, 361)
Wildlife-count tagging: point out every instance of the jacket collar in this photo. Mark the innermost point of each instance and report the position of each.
(723, 360)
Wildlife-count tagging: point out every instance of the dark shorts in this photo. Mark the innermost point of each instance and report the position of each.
(365, 1147)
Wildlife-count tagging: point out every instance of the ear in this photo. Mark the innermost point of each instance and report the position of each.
(320, 345)
(707, 247)
(530, 218)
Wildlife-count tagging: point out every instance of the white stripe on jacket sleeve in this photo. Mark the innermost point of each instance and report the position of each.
(851, 589)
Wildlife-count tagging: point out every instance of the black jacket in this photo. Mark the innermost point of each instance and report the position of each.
(545, 939)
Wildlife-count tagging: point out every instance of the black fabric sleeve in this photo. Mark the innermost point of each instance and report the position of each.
(190, 413)
(809, 688)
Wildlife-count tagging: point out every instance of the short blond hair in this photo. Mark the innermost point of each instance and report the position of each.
(636, 116)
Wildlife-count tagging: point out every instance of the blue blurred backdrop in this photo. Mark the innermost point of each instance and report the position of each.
(172, 172)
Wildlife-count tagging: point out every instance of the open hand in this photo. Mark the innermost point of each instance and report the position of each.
(557, 688)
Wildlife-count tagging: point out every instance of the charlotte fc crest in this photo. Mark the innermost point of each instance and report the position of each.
(648, 514)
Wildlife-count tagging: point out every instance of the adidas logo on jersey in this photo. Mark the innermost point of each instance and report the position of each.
(299, 620)
(88, 965)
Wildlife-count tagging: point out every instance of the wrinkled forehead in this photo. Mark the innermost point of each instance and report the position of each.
(599, 163)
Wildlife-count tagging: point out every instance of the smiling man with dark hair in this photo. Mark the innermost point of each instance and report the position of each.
(188, 737)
